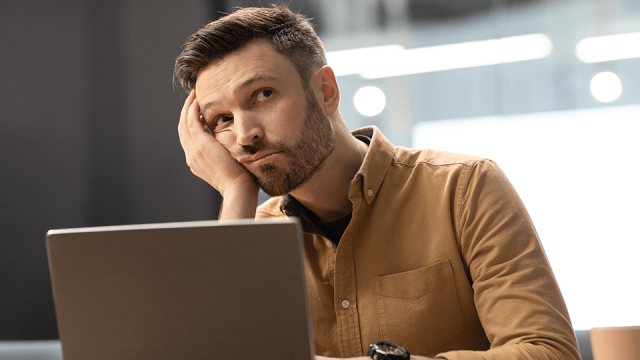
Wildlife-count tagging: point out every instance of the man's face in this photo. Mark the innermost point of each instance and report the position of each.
(255, 105)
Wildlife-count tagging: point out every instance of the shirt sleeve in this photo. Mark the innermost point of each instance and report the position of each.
(516, 294)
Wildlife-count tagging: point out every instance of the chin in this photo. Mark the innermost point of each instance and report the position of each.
(277, 182)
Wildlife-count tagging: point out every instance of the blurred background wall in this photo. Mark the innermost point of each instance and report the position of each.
(88, 134)
(89, 112)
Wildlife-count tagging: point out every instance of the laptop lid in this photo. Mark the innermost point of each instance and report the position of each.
(194, 290)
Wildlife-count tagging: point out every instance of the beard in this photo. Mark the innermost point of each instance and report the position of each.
(305, 158)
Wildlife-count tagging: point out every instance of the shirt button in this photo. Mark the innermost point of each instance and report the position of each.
(345, 303)
(329, 244)
(370, 192)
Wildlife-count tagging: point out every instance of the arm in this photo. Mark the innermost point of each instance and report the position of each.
(516, 295)
(211, 162)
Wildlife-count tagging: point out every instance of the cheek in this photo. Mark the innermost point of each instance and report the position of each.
(226, 138)
(287, 119)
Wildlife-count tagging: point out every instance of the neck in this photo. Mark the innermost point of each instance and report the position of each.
(326, 193)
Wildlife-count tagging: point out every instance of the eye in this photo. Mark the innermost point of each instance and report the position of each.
(221, 120)
(263, 94)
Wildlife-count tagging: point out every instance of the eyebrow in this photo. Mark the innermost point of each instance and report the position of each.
(242, 86)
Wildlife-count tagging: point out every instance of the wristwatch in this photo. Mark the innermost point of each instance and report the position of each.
(387, 351)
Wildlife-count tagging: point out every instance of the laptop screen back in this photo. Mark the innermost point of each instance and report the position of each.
(199, 290)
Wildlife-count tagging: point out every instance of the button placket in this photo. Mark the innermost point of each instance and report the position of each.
(344, 289)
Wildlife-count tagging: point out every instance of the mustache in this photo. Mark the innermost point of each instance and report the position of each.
(259, 145)
(252, 149)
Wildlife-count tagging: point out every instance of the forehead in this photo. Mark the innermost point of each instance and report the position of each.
(256, 60)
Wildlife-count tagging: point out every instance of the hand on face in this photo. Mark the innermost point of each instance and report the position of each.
(206, 157)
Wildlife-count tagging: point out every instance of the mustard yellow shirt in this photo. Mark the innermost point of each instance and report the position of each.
(440, 257)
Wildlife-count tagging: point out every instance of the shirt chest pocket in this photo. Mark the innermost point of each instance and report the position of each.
(418, 309)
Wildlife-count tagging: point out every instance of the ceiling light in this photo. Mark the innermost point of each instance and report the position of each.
(352, 61)
(609, 48)
(369, 101)
(606, 86)
(394, 60)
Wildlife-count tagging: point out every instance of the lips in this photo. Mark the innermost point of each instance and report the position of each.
(257, 158)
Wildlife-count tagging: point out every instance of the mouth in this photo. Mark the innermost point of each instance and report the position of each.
(258, 159)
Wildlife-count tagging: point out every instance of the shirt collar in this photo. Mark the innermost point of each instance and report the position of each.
(375, 165)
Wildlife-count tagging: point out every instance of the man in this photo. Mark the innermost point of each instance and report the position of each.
(430, 251)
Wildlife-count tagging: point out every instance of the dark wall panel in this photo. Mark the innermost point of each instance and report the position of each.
(43, 154)
(88, 134)
(163, 188)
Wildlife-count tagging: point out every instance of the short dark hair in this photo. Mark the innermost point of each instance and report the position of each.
(291, 35)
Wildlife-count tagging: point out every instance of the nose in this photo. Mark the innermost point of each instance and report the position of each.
(248, 129)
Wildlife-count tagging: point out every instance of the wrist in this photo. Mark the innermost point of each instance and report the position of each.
(242, 184)
(239, 202)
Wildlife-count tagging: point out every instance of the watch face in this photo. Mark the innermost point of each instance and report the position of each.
(386, 351)
(391, 350)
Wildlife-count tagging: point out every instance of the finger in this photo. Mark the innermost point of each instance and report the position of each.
(187, 102)
(206, 126)
(194, 122)
(183, 131)
(185, 108)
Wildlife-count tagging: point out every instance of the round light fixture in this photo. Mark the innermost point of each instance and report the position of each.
(606, 86)
(369, 101)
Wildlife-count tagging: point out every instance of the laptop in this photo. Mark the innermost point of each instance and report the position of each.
(191, 290)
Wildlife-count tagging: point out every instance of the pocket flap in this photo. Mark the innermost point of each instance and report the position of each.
(413, 284)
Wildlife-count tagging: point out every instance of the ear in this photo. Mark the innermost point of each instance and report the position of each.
(330, 93)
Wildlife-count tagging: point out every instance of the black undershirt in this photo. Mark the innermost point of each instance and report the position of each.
(335, 229)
